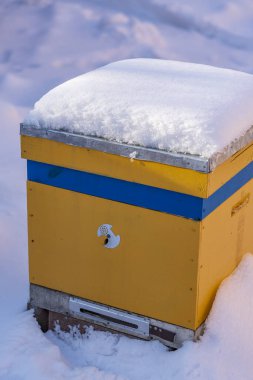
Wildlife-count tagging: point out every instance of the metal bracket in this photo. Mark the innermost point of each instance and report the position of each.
(110, 317)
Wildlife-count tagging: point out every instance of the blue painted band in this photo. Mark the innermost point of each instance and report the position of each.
(116, 190)
(136, 194)
(228, 189)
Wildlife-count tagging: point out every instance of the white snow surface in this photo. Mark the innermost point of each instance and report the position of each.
(168, 105)
(44, 43)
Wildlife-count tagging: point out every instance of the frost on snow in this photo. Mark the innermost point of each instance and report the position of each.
(168, 105)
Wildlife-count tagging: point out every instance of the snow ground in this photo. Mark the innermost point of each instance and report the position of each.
(44, 43)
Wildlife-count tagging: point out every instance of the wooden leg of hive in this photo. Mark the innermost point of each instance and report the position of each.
(42, 317)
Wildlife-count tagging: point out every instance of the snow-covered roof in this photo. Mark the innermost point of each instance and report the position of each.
(166, 105)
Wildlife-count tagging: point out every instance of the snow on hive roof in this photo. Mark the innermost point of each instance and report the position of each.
(166, 105)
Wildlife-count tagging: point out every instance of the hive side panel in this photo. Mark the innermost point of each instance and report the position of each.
(139, 171)
(229, 168)
(152, 272)
(226, 235)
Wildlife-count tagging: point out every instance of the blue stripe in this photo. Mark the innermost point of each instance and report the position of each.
(136, 194)
(228, 189)
(115, 189)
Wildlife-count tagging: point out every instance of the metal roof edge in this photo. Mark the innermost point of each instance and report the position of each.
(187, 161)
(236, 145)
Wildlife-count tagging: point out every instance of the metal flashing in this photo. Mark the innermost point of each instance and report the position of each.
(130, 151)
(188, 161)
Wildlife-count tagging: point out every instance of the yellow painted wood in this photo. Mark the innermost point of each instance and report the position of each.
(226, 235)
(144, 172)
(166, 267)
(152, 272)
(229, 168)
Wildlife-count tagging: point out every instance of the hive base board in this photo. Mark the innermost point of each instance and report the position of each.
(49, 320)
(52, 306)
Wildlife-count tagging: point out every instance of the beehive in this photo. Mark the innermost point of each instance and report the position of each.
(134, 230)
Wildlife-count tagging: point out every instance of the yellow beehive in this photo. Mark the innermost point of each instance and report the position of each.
(181, 231)
(130, 237)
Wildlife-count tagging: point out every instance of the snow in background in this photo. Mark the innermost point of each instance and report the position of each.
(42, 44)
(167, 105)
